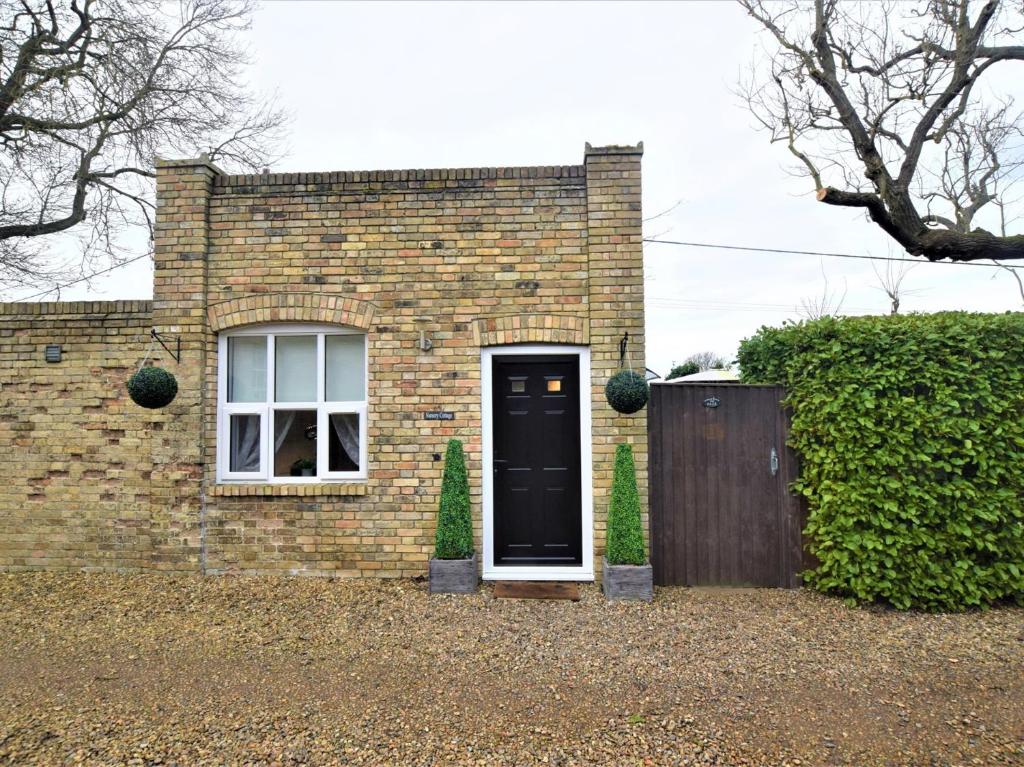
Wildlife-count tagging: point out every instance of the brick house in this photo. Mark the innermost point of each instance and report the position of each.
(335, 330)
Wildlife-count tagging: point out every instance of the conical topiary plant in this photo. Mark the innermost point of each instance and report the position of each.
(625, 545)
(454, 538)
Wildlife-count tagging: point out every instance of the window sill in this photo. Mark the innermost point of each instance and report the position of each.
(304, 490)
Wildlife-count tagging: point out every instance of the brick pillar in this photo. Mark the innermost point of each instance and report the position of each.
(181, 244)
(616, 297)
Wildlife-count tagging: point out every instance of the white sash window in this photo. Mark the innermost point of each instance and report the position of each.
(291, 404)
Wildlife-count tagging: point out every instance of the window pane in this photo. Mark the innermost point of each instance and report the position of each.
(346, 372)
(245, 443)
(294, 443)
(343, 442)
(295, 368)
(247, 369)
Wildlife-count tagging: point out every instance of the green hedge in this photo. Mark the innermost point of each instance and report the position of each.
(454, 536)
(625, 545)
(910, 433)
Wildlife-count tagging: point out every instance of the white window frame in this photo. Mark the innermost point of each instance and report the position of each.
(267, 409)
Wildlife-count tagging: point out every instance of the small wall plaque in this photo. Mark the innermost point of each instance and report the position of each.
(712, 402)
(439, 415)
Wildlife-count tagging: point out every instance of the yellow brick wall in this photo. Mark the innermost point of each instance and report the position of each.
(473, 257)
(616, 285)
(77, 474)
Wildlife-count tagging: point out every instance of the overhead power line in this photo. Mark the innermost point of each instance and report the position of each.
(83, 279)
(657, 241)
(653, 240)
(724, 309)
(719, 302)
(678, 303)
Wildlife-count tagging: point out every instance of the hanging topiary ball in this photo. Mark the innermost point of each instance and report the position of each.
(626, 391)
(152, 387)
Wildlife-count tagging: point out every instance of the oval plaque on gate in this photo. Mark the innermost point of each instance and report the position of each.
(712, 402)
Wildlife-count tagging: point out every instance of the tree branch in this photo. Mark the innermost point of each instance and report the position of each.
(873, 105)
(91, 91)
(874, 206)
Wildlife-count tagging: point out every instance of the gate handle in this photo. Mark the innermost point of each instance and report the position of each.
(773, 463)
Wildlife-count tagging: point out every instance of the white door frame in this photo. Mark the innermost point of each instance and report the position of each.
(581, 572)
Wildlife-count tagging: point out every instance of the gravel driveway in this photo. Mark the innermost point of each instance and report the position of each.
(111, 669)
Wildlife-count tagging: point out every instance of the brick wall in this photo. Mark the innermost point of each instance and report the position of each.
(616, 298)
(77, 476)
(472, 257)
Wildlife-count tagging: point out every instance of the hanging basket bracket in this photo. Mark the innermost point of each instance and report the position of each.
(176, 354)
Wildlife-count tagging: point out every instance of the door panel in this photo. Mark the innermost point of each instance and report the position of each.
(537, 490)
(721, 512)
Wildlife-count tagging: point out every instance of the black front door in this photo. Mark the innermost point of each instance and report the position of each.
(537, 495)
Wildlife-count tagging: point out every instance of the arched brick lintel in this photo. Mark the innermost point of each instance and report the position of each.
(531, 329)
(291, 307)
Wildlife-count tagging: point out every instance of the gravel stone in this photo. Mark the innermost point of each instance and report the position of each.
(106, 669)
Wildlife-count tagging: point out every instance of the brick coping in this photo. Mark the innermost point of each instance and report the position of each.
(423, 174)
(34, 308)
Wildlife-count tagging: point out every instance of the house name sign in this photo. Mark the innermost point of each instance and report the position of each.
(439, 415)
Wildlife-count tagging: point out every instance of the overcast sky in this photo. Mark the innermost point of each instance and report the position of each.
(421, 85)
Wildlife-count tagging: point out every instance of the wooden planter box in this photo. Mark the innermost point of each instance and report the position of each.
(628, 581)
(453, 576)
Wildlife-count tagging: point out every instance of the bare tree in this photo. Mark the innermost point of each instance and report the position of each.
(829, 303)
(1015, 273)
(90, 92)
(879, 103)
(1016, 276)
(890, 282)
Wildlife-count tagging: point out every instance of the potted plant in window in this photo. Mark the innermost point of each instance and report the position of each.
(453, 567)
(304, 467)
(627, 573)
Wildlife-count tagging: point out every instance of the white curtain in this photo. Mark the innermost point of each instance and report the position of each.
(282, 427)
(245, 443)
(346, 427)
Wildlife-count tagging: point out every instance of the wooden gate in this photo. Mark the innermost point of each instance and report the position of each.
(721, 512)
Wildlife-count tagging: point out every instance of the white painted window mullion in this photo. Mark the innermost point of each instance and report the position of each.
(363, 441)
(321, 425)
(322, 436)
(321, 369)
(267, 446)
(271, 371)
